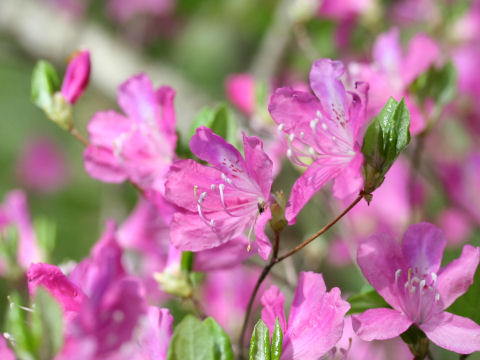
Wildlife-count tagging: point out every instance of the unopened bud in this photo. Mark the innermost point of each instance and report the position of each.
(77, 77)
(175, 283)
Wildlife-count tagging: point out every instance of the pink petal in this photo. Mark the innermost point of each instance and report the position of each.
(70, 296)
(213, 149)
(452, 332)
(5, 352)
(77, 77)
(325, 83)
(316, 318)
(307, 185)
(263, 242)
(100, 163)
(379, 257)
(455, 278)
(225, 256)
(380, 324)
(422, 247)
(259, 166)
(155, 334)
(422, 52)
(350, 180)
(290, 107)
(387, 51)
(137, 99)
(272, 301)
(165, 97)
(358, 108)
(106, 127)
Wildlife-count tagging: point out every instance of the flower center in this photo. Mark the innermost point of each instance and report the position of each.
(418, 292)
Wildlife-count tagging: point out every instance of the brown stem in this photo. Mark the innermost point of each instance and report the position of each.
(275, 260)
(322, 230)
(83, 140)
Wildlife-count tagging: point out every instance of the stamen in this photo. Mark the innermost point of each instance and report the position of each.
(398, 273)
(213, 186)
(319, 114)
(324, 126)
(302, 134)
(313, 124)
(437, 297)
(212, 223)
(291, 136)
(434, 278)
(280, 127)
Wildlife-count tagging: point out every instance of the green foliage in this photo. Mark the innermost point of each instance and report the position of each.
(197, 340)
(366, 299)
(438, 84)
(37, 332)
(260, 342)
(45, 84)
(386, 137)
(186, 262)
(277, 340)
(45, 230)
(220, 119)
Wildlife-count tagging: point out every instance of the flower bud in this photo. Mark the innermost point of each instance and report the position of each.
(77, 77)
(175, 283)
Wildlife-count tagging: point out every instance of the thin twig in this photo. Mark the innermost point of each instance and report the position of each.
(82, 139)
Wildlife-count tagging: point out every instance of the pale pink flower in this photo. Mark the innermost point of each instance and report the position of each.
(410, 279)
(223, 201)
(316, 318)
(124, 10)
(323, 133)
(139, 146)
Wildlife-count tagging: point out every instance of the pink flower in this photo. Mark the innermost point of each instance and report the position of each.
(41, 165)
(410, 279)
(392, 71)
(139, 146)
(5, 352)
(219, 203)
(343, 10)
(316, 318)
(240, 89)
(77, 76)
(14, 212)
(323, 133)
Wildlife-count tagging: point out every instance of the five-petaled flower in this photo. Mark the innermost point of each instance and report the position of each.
(323, 133)
(410, 279)
(220, 203)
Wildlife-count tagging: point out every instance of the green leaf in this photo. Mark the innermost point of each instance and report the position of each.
(196, 340)
(468, 304)
(438, 84)
(45, 83)
(220, 119)
(366, 299)
(46, 231)
(46, 324)
(223, 347)
(16, 326)
(277, 340)
(385, 138)
(260, 342)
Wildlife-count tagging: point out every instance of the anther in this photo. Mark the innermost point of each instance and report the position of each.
(319, 114)
(313, 123)
(213, 186)
(397, 275)
(280, 127)
(302, 134)
(212, 223)
(291, 137)
(324, 126)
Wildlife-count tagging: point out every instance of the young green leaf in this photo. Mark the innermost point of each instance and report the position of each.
(223, 347)
(45, 83)
(16, 326)
(277, 340)
(260, 342)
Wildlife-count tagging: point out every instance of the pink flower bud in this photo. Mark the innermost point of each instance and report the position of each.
(77, 76)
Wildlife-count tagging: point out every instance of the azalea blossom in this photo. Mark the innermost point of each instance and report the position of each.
(316, 318)
(392, 71)
(223, 201)
(410, 279)
(138, 146)
(77, 77)
(323, 133)
(240, 90)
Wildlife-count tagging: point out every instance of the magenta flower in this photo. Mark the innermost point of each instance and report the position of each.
(410, 279)
(323, 133)
(139, 146)
(14, 212)
(5, 352)
(316, 318)
(343, 10)
(124, 10)
(240, 90)
(77, 76)
(222, 201)
(392, 71)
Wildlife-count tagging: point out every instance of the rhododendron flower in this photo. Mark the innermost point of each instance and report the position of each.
(14, 212)
(323, 133)
(222, 201)
(409, 278)
(41, 165)
(77, 76)
(240, 90)
(139, 146)
(392, 71)
(316, 318)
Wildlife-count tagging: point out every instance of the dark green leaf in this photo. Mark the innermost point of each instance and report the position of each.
(277, 340)
(366, 299)
(260, 342)
(17, 328)
(223, 348)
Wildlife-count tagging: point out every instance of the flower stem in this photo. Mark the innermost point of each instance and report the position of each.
(275, 259)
